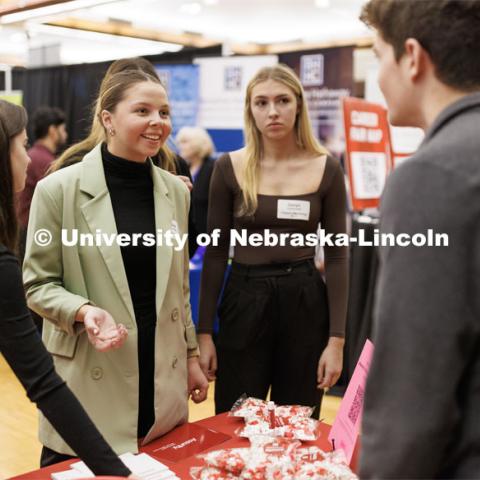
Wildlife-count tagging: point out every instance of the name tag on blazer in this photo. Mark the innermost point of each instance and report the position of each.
(293, 209)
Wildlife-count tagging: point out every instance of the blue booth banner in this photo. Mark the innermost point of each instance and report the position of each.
(182, 84)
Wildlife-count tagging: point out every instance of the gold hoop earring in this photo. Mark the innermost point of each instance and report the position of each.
(111, 131)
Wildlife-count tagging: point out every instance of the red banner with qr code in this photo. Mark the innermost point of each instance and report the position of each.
(368, 151)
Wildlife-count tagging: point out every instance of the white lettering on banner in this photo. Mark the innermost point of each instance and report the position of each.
(366, 135)
(374, 136)
(366, 119)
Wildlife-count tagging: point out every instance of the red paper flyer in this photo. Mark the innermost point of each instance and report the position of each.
(184, 442)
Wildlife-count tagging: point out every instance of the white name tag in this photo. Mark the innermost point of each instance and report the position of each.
(293, 209)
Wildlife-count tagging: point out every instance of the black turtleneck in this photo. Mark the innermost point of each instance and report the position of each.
(131, 191)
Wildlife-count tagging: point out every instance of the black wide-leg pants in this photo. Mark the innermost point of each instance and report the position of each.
(274, 326)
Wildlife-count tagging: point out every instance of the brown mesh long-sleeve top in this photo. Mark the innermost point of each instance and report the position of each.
(327, 206)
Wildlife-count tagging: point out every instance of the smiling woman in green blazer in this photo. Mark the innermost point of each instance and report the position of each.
(134, 298)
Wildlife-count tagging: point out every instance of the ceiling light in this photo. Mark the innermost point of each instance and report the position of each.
(71, 33)
(322, 3)
(193, 8)
(51, 10)
(210, 2)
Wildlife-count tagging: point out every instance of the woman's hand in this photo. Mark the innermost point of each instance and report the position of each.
(103, 333)
(197, 383)
(208, 355)
(330, 363)
(186, 181)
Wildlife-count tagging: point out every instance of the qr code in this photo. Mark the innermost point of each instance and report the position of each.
(311, 70)
(371, 180)
(369, 172)
(357, 405)
(233, 78)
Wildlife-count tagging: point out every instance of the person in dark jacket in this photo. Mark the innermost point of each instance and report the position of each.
(20, 343)
(48, 126)
(422, 415)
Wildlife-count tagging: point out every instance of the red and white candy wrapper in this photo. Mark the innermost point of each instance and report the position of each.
(309, 454)
(269, 468)
(271, 458)
(310, 471)
(256, 467)
(248, 406)
(323, 471)
(274, 446)
(282, 469)
(266, 418)
(255, 407)
(313, 463)
(285, 467)
(232, 460)
(306, 429)
(297, 411)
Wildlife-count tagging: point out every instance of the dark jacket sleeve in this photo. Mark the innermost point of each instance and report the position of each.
(334, 221)
(424, 332)
(24, 351)
(220, 216)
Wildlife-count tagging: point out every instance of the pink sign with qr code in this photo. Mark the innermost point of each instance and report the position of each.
(346, 427)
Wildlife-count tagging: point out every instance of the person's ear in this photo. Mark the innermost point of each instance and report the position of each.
(52, 131)
(417, 58)
(106, 118)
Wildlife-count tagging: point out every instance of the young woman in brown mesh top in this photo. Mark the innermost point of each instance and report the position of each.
(281, 325)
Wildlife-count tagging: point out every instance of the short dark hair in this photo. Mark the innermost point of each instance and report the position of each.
(43, 117)
(447, 29)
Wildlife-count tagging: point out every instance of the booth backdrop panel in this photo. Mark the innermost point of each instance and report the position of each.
(327, 77)
(181, 82)
(223, 82)
(226, 140)
(74, 88)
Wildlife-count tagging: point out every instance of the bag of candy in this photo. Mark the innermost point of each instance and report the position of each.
(231, 460)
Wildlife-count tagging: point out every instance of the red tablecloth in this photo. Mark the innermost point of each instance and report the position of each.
(220, 423)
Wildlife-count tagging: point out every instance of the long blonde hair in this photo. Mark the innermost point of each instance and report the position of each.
(253, 138)
(75, 153)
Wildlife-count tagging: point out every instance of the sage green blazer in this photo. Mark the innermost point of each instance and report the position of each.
(60, 279)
